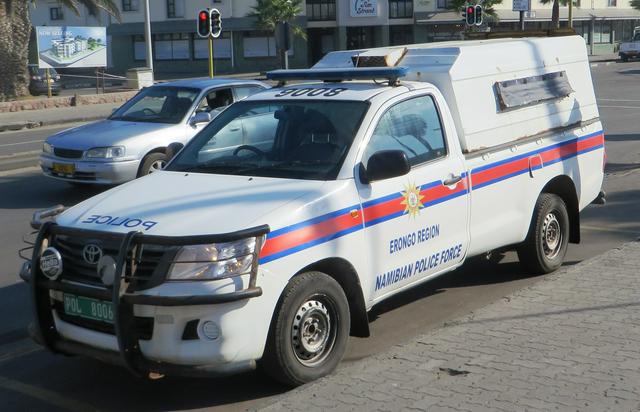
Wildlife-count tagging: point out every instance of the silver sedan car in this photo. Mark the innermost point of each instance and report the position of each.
(133, 141)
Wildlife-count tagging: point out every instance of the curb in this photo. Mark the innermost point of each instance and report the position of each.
(32, 125)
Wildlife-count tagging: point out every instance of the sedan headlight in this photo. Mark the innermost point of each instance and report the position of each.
(214, 261)
(105, 152)
(47, 148)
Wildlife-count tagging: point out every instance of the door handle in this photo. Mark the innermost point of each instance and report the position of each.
(452, 180)
(235, 129)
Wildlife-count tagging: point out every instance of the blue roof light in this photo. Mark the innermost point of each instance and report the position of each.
(340, 74)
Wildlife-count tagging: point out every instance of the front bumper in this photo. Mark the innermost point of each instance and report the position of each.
(106, 173)
(165, 350)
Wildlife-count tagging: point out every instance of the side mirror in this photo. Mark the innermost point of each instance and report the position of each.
(385, 164)
(173, 149)
(200, 117)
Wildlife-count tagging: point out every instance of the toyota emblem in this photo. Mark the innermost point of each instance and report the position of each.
(92, 253)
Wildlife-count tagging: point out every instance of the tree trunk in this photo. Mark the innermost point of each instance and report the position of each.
(15, 29)
(555, 15)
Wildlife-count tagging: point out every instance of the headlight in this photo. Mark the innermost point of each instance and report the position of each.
(105, 152)
(47, 148)
(215, 261)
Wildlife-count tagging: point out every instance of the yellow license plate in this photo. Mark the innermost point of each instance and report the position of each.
(67, 169)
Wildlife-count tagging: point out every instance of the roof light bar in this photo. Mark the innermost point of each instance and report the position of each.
(341, 74)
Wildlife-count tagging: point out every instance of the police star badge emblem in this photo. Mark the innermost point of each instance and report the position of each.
(412, 200)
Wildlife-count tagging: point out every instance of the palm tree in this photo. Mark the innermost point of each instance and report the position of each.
(269, 13)
(15, 30)
(555, 10)
(635, 4)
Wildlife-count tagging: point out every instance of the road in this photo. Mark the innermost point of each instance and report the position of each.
(32, 379)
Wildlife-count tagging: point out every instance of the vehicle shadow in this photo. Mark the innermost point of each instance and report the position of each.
(35, 191)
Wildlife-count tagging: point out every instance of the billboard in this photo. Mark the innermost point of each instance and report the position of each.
(68, 46)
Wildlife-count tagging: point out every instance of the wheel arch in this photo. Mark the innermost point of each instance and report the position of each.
(160, 149)
(345, 274)
(564, 187)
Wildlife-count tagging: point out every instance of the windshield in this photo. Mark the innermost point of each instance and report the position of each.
(290, 139)
(636, 37)
(158, 104)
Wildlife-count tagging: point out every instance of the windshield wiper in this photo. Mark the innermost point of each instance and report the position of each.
(221, 166)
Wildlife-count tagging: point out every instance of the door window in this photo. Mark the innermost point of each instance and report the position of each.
(245, 91)
(215, 101)
(412, 126)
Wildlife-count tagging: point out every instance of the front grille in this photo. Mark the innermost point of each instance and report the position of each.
(67, 153)
(77, 269)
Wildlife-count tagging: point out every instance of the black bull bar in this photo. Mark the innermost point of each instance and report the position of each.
(121, 296)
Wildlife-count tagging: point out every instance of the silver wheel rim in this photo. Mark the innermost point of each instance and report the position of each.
(312, 334)
(551, 236)
(157, 165)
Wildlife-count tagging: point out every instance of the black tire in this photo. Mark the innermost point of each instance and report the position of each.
(545, 247)
(309, 302)
(150, 161)
(624, 58)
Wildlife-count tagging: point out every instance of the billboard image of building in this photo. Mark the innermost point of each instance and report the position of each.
(61, 47)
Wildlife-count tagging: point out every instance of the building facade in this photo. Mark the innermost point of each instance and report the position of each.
(329, 24)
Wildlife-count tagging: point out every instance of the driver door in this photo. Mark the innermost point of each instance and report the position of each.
(416, 224)
(213, 102)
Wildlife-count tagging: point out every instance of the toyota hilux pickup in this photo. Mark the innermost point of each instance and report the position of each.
(383, 169)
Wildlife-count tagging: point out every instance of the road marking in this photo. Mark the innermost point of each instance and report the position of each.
(604, 229)
(620, 107)
(47, 396)
(17, 349)
(21, 154)
(618, 100)
(19, 143)
(21, 170)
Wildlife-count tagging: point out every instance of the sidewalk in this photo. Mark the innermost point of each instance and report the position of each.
(569, 342)
(46, 117)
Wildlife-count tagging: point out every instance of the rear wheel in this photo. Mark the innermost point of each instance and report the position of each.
(152, 162)
(544, 248)
(309, 332)
(624, 57)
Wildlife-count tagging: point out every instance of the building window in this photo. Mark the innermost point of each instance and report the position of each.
(171, 46)
(612, 3)
(130, 5)
(400, 9)
(56, 13)
(318, 10)
(175, 9)
(221, 47)
(400, 35)
(139, 48)
(444, 4)
(261, 44)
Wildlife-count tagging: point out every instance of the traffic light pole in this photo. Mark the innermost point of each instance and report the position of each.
(211, 57)
(521, 20)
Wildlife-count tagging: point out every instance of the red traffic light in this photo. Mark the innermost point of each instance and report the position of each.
(470, 10)
(203, 15)
(204, 23)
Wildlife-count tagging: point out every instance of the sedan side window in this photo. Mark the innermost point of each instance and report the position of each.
(216, 101)
(412, 126)
(245, 91)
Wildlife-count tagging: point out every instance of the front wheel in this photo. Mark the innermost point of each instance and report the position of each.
(544, 248)
(309, 332)
(153, 162)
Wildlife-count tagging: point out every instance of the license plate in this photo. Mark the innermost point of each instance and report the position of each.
(88, 308)
(67, 169)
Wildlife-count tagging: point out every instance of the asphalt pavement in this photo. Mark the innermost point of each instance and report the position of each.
(32, 379)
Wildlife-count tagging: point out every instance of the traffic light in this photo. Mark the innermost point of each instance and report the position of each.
(470, 15)
(478, 15)
(216, 23)
(204, 23)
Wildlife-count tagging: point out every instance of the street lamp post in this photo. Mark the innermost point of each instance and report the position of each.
(147, 36)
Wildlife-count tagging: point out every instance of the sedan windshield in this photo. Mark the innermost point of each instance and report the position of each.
(291, 139)
(158, 104)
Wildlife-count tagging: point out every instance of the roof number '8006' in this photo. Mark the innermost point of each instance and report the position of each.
(311, 92)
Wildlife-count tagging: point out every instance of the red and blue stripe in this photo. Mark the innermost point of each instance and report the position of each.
(330, 226)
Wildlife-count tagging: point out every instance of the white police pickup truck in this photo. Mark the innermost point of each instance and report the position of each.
(271, 248)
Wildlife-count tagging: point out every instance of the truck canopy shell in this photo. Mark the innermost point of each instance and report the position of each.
(500, 90)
